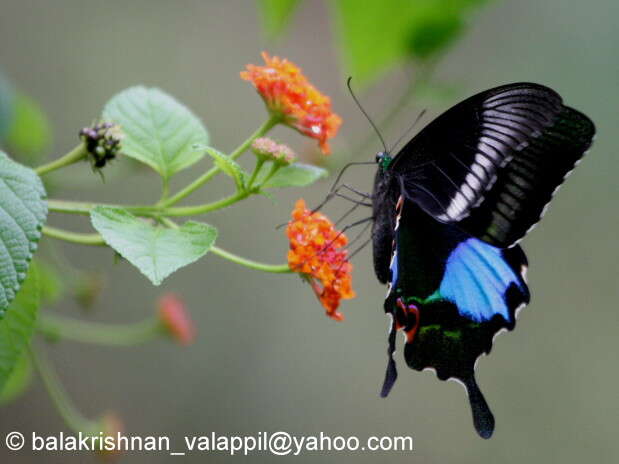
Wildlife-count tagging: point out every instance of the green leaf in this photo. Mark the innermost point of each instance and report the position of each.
(386, 33)
(17, 327)
(22, 214)
(276, 15)
(228, 166)
(29, 133)
(296, 175)
(18, 381)
(372, 37)
(158, 130)
(156, 251)
(434, 31)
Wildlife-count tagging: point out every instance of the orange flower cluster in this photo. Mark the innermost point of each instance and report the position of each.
(288, 93)
(315, 253)
(175, 318)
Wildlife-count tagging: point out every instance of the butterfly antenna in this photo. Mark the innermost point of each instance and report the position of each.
(367, 116)
(421, 115)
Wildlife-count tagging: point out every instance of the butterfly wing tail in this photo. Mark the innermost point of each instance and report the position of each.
(391, 374)
(483, 419)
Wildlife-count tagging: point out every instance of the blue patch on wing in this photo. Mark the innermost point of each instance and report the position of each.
(394, 269)
(476, 279)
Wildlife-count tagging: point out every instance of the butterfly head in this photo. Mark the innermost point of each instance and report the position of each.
(383, 160)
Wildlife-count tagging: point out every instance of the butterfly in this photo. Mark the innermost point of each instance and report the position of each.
(448, 213)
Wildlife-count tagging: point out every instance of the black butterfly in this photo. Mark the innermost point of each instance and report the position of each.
(448, 213)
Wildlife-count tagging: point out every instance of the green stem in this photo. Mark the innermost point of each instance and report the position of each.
(168, 222)
(208, 175)
(276, 167)
(98, 333)
(75, 155)
(73, 237)
(67, 410)
(207, 207)
(252, 179)
(80, 207)
(275, 268)
(165, 190)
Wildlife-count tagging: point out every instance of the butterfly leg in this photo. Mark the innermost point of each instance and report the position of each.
(344, 229)
(352, 200)
(358, 192)
(335, 192)
(359, 235)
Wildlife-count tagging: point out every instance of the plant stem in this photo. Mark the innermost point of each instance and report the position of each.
(67, 410)
(276, 167)
(275, 268)
(168, 222)
(73, 237)
(208, 175)
(75, 155)
(98, 333)
(257, 168)
(207, 207)
(80, 207)
(165, 190)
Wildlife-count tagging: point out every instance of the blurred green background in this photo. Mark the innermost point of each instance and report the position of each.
(267, 358)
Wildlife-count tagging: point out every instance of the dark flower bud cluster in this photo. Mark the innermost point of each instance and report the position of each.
(102, 142)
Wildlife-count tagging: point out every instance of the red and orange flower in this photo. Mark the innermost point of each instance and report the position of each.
(288, 94)
(316, 253)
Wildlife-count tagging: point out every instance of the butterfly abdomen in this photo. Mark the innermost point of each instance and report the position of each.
(384, 197)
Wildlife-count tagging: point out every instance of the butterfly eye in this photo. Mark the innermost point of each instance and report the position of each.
(379, 157)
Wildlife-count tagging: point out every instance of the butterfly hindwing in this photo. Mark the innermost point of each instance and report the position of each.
(450, 295)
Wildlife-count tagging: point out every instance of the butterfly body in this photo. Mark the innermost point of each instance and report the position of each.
(448, 212)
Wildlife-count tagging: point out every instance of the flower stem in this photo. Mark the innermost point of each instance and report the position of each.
(275, 268)
(208, 175)
(207, 207)
(257, 168)
(75, 155)
(67, 410)
(98, 333)
(276, 167)
(73, 237)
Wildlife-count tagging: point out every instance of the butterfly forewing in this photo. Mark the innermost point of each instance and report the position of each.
(524, 187)
(462, 158)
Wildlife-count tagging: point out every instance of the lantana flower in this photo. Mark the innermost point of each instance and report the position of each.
(175, 319)
(316, 253)
(269, 150)
(289, 95)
